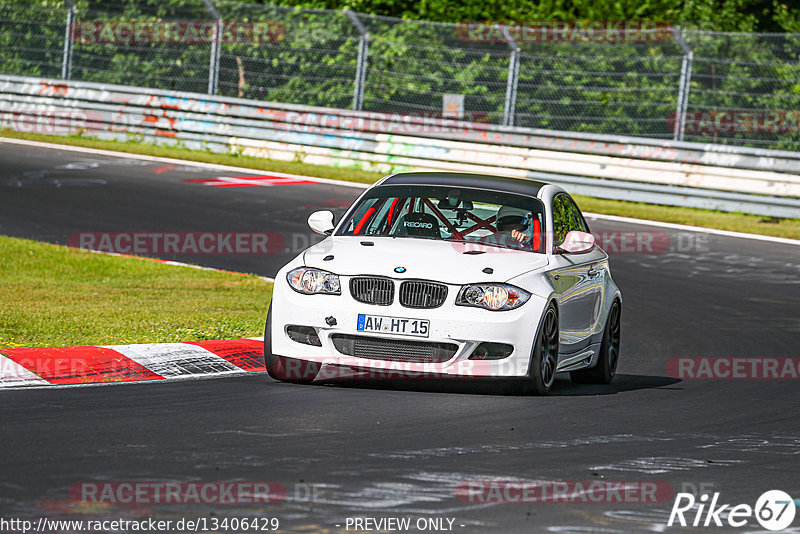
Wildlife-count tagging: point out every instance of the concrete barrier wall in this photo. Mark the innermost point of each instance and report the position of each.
(685, 174)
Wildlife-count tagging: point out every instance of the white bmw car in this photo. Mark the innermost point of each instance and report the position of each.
(448, 275)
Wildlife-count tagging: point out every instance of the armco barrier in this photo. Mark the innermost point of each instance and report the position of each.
(759, 181)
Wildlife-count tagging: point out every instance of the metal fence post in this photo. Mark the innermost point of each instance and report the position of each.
(513, 80)
(66, 61)
(511, 89)
(216, 46)
(361, 72)
(683, 89)
(361, 61)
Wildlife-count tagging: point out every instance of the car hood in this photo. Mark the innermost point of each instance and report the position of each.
(448, 262)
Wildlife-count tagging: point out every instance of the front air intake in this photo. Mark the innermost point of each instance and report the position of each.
(421, 294)
(396, 350)
(372, 290)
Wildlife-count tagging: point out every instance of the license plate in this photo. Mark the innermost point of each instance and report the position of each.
(393, 325)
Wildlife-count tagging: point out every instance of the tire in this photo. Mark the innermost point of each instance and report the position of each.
(282, 368)
(606, 368)
(544, 357)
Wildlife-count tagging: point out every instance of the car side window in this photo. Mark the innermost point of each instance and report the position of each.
(577, 216)
(562, 218)
(566, 217)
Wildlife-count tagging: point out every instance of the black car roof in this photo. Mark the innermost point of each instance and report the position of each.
(519, 186)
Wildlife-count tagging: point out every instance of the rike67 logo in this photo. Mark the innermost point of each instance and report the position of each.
(774, 510)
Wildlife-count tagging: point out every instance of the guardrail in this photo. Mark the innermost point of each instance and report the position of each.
(749, 180)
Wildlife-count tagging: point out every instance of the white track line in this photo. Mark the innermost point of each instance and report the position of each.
(171, 262)
(726, 233)
(185, 162)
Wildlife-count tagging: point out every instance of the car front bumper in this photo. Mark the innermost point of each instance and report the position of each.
(463, 326)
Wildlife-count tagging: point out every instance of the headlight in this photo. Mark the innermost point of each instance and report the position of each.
(495, 297)
(313, 281)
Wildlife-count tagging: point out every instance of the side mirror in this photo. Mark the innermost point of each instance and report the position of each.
(576, 242)
(321, 222)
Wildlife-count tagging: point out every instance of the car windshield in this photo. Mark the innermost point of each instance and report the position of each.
(445, 213)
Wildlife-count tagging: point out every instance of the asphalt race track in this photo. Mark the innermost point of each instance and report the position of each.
(401, 451)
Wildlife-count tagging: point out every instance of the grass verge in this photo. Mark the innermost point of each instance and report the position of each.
(735, 222)
(59, 296)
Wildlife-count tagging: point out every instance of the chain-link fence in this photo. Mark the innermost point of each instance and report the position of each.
(673, 84)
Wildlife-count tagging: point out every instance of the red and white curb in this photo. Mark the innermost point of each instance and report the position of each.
(46, 366)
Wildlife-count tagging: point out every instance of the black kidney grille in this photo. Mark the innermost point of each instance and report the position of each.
(416, 294)
(370, 290)
(397, 350)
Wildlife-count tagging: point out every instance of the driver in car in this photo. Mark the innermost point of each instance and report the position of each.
(513, 228)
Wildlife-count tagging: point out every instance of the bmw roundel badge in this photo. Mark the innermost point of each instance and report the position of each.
(399, 269)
